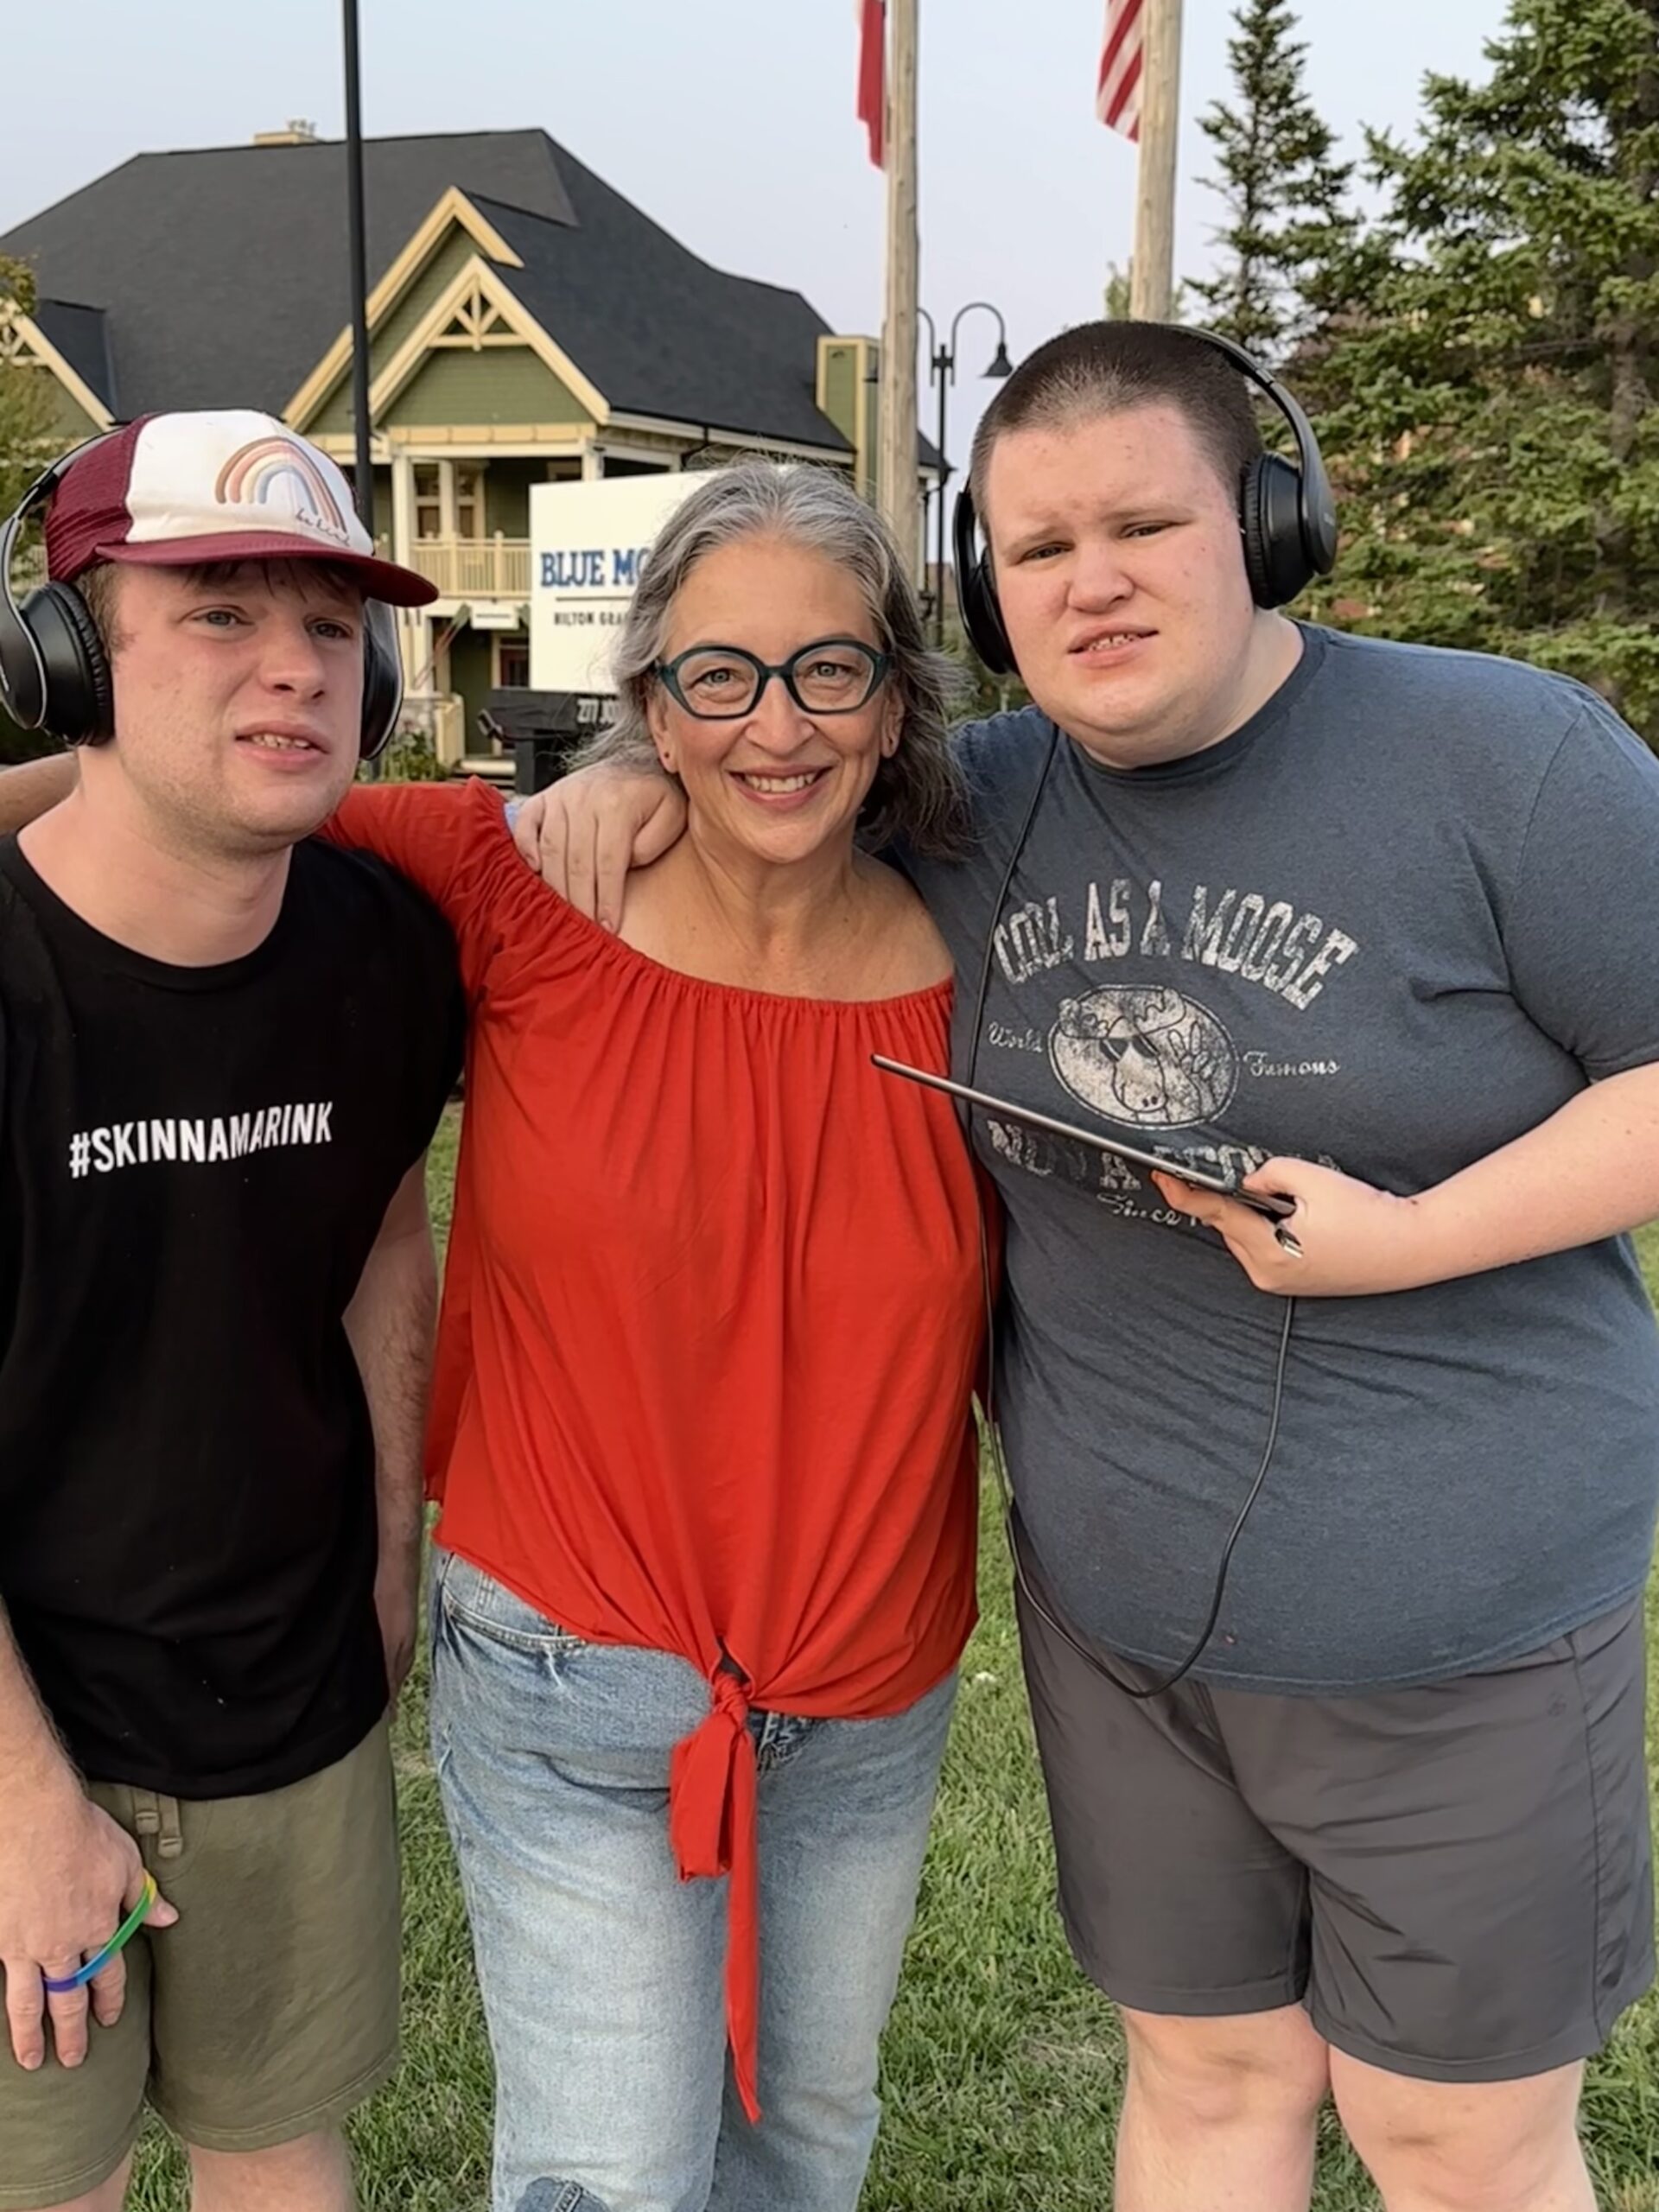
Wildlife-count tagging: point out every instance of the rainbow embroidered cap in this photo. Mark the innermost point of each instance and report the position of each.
(168, 491)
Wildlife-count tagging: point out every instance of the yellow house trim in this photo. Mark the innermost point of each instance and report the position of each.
(481, 324)
(49, 358)
(341, 445)
(453, 209)
(476, 276)
(572, 435)
(529, 439)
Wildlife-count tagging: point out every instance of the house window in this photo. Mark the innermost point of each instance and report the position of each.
(429, 499)
(514, 664)
(469, 499)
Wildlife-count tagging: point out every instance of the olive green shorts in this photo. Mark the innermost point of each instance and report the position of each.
(264, 2013)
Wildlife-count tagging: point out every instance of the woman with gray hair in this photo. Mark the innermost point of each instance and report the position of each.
(702, 1435)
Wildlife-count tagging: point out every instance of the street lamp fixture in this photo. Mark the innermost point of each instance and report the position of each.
(942, 371)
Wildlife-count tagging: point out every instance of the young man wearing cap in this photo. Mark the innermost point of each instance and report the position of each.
(1265, 898)
(222, 1052)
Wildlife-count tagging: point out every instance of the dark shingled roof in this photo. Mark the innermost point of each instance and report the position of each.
(672, 337)
(81, 335)
(222, 278)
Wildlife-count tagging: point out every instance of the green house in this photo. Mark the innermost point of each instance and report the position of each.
(526, 323)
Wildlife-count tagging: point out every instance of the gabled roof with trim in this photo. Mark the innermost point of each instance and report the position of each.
(484, 278)
(81, 335)
(31, 338)
(221, 278)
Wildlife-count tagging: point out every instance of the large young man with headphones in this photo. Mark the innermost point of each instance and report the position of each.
(1332, 1532)
(222, 1051)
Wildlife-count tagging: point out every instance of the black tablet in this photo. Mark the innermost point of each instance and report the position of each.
(1273, 1204)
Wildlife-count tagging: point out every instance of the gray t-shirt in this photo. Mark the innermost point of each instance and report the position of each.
(1401, 917)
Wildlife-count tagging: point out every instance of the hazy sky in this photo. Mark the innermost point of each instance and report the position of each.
(731, 122)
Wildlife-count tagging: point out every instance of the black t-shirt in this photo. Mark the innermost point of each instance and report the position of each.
(194, 1163)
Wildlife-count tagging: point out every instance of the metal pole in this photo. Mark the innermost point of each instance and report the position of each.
(945, 367)
(364, 481)
(943, 362)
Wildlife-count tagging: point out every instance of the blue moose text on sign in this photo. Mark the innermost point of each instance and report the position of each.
(593, 568)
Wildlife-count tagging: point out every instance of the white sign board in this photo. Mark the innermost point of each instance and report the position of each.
(586, 544)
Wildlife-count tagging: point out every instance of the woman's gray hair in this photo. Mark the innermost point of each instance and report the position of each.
(919, 793)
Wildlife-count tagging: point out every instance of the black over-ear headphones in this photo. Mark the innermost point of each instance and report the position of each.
(1287, 515)
(54, 673)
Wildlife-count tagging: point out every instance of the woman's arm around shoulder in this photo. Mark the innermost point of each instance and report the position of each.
(451, 841)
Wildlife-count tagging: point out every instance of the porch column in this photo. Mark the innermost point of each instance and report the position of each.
(413, 630)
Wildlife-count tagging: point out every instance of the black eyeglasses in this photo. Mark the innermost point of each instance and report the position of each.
(835, 676)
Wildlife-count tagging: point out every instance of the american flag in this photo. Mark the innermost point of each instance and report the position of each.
(872, 16)
(1117, 101)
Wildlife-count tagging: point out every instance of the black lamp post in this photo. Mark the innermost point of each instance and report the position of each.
(942, 371)
(363, 469)
(363, 472)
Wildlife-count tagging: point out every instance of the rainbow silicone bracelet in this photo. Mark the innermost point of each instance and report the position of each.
(122, 1935)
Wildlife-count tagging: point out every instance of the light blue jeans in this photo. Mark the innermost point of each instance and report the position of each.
(602, 1972)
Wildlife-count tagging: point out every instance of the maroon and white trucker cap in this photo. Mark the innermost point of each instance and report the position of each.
(168, 491)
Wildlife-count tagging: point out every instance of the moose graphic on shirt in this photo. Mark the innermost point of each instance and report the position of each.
(1146, 1054)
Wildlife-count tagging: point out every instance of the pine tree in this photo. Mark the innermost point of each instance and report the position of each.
(25, 398)
(1490, 417)
(1286, 195)
(26, 440)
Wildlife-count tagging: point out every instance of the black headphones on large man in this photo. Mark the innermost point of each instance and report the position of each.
(1287, 516)
(54, 673)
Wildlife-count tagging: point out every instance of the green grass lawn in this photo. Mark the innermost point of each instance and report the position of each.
(1002, 2067)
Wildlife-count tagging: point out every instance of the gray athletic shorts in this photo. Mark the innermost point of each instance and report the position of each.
(1454, 1877)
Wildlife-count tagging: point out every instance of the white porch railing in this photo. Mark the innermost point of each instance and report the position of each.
(474, 567)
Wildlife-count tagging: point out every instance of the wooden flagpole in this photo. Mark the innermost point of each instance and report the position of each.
(897, 485)
(1151, 273)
